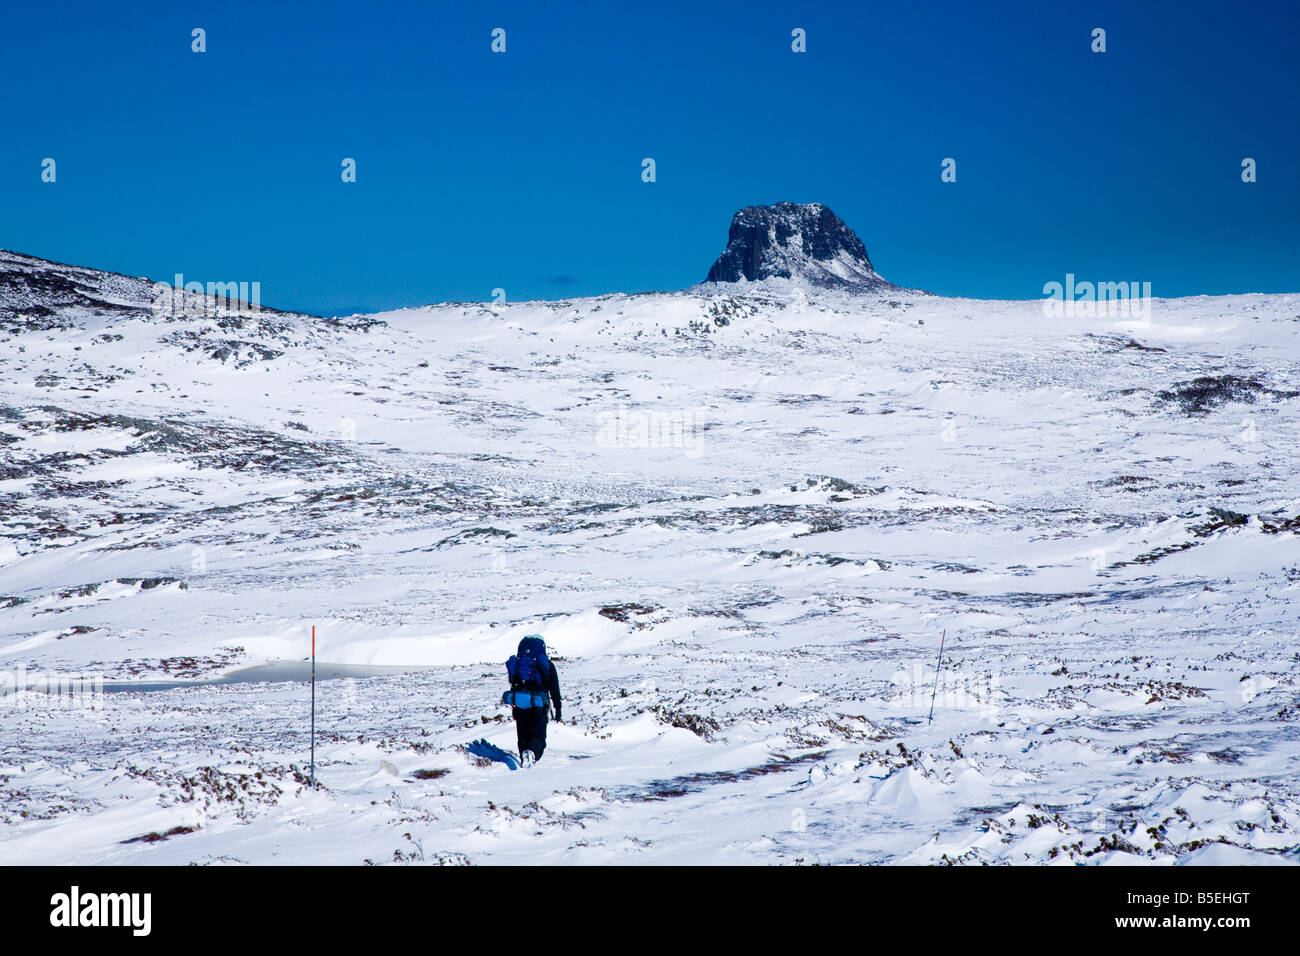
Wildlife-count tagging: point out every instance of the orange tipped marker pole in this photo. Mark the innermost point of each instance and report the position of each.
(313, 706)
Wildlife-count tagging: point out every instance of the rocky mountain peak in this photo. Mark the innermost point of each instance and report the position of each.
(799, 241)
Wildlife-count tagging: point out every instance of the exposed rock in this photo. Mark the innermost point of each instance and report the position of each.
(795, 241)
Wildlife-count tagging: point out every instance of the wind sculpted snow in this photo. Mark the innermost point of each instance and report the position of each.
(741, 517)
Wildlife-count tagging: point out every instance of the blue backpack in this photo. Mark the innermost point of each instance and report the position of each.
(529, 667)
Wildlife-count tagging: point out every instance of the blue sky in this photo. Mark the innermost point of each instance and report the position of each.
(522, 170)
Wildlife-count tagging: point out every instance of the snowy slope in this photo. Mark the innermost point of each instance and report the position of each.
(741, 517)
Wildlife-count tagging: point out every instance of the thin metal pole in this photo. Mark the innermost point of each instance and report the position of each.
(313, 707)
(937, 668)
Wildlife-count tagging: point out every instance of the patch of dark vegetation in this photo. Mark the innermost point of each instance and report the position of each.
(35, 295)
(1118, 343)
(725, 612)
(695, 782)
(1126, 482)
(597, 508)
(206, 445)
(352, 323)
(1226, 755)
(238, 352)
(704, 727)
(433, 774)
(791, 558)
(148, 584)
(1160, 690)
(833, 484)
(724, 310)
(623, 613)
(1200, 395)
(76, 631)
(1151, 557)
(822, 525)
(186, 667)
(1279, 525)
(85, 590)
(472, 534)
(1135, 344)
(158, 837)
(1035, 599)
(1218, 519)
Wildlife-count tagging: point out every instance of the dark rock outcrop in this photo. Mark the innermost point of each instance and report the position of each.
(795, 241)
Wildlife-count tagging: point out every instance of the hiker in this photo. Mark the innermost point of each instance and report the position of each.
(533, 679)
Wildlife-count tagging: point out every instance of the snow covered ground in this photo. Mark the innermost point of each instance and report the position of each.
(742, 517)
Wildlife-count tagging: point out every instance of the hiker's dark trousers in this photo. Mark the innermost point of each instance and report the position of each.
(530, 724)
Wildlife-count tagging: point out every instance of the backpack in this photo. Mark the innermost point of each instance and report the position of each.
(530, 666)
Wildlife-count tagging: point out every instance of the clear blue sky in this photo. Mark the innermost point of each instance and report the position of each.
(523, 170)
